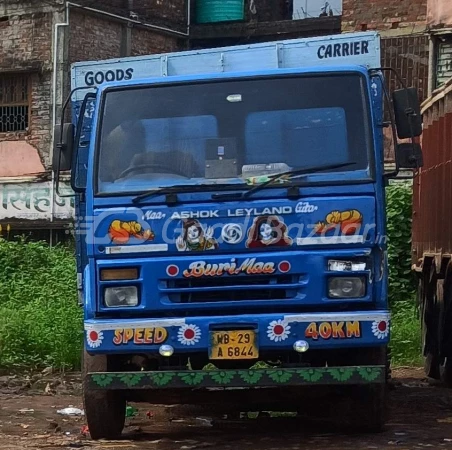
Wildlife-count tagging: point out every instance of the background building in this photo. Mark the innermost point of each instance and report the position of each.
(39, 42)
(405, 43)
(216, 24)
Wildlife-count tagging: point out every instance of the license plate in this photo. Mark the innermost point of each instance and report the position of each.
(233, 345)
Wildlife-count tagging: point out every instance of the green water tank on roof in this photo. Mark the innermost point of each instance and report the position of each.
(210, 11)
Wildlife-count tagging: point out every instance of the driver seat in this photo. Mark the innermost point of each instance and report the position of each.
(182, 162)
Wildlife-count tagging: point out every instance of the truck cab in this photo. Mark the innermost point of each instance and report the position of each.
(232, 231)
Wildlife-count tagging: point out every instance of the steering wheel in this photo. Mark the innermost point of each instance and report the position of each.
(165, 169)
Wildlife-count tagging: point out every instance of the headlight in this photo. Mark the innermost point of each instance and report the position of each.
(346, 287)
(116, 297)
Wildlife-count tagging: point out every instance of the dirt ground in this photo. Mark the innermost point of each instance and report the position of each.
(421, 416)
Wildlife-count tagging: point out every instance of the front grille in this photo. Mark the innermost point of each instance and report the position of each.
(247, 288)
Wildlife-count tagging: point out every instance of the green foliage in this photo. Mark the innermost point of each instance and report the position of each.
(405, 326)
(398, 210)
(405, 334)
(40, 320)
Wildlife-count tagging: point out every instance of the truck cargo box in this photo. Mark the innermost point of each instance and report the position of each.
(338, 50)
(432, 213)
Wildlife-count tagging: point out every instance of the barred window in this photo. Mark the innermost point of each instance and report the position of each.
(14, 103)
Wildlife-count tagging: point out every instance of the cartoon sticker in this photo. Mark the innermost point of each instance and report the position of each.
(140, 336)
(348, 222)
(121, 232)
(268, 231)
(195, 237)
(278, 330)
(94, 338)
(189, 334)
(380, 329)
(335, 330)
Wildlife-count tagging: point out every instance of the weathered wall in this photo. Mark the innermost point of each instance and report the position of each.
(163, 12)
(159, 12)
(408, 55)
(25, 40)
(93, 37)
(271, 10)
(26, 36)
(146, 42)
(439, 12)
(361, 15)
(19, 158)
(404, 47)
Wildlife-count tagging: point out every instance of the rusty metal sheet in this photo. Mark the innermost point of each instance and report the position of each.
(432, 212)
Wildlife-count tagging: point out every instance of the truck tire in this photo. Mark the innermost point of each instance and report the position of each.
(370, 408)
(446, 373)
(427, 292)
(364, 406)
(105, 411)
(446, 330)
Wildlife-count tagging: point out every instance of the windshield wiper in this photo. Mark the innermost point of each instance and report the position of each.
(167, 190)
(272, 178)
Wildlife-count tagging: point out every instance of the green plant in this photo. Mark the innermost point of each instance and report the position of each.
(398, 211)
(405, 334)
(40, 320)
(405, 327)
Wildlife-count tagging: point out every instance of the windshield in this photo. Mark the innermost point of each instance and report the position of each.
(232, 132)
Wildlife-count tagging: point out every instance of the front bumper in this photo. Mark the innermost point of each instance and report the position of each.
(262, 378)
(273, 332)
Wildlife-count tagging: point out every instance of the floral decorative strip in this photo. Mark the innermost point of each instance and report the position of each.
(132, 379)
(313, 375)
(251, 376)
(189, 379)
(341, 374)
(369, 373)
(224, 377)
(103, 379)
(192, 378)
(161, 378)
(279, 376)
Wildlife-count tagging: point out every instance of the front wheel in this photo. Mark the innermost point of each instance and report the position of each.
(105, 410)
(366, 405)
(370, 407)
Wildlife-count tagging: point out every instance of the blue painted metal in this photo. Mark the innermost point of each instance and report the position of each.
(299, 276)
(356, 329)
(210, 11)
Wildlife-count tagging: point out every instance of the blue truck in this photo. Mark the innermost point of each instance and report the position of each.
(231, 225)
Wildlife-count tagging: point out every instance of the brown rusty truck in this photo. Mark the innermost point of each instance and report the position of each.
(432, 214)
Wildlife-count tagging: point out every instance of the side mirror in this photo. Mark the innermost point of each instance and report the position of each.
(407, 111)
(409, 156)
(63, 147)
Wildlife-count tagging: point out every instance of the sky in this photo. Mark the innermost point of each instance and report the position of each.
(314, 7)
